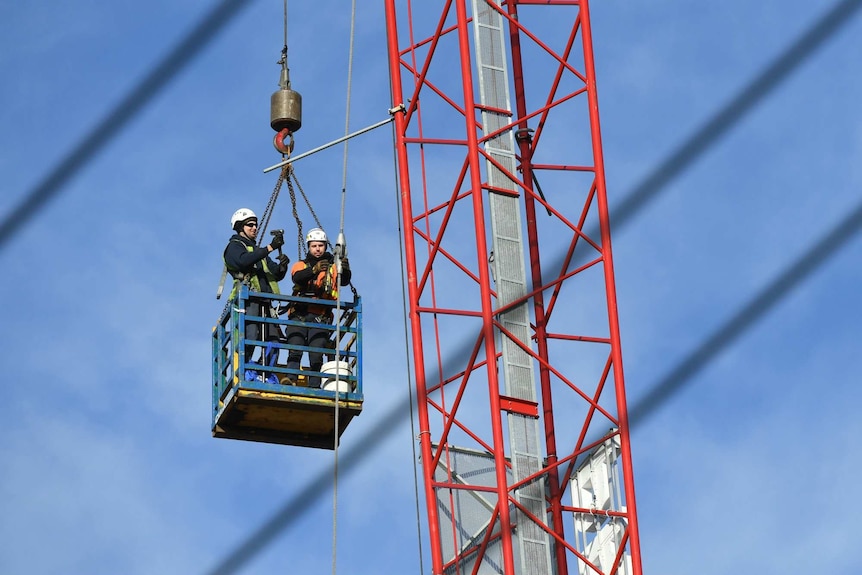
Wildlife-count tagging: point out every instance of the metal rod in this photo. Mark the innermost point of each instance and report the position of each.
(332, 143)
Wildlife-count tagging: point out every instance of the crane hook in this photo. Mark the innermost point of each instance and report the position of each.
(278, 141)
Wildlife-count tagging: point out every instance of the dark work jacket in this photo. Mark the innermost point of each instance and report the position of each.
(240, 260)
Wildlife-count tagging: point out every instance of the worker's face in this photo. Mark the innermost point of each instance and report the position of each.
(249, 230)
(316, 249)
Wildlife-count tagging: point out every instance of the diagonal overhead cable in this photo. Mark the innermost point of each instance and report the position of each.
(661, 391)
(116, 121)
(749, 314)
(728, 116)
(746, 316)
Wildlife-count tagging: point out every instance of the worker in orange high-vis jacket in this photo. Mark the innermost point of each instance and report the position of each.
(312, 278)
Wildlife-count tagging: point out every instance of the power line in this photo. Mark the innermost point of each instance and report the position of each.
(727, 117)
(749, 314)
(746, 316)
(119, 118)
(660, 392)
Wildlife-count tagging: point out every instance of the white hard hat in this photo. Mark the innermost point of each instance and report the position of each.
(241, 215)
(315, 235)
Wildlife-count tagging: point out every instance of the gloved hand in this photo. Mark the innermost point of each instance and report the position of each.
(345, 265)
(277, 241)
(283, 261)
(320, 266)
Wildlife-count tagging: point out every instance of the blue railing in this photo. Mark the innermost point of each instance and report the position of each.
(229, 346)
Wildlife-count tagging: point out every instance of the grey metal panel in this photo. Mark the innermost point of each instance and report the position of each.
(465, 515)
(511, 284)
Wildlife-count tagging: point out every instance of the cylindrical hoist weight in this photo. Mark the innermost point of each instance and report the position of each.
(285, 110)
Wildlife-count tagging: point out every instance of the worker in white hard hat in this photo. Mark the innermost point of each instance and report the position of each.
(249, 263)
(314, 277)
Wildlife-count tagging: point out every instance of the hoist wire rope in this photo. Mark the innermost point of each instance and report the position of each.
(284, 50)
(286, 172)
(347, 109)
(339, 253)
(423, 167)
(648, 190)
(411, 405)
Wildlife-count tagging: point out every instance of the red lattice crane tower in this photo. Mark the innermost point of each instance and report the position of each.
(513, 317)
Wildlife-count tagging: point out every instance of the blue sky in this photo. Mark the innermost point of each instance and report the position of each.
(108, 463)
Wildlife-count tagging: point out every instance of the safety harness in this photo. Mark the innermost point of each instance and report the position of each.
(323, 286)
(251, 279)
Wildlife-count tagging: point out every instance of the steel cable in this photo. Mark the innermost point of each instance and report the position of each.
(675, 380)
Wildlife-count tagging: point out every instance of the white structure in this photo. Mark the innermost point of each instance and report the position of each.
(596, 487)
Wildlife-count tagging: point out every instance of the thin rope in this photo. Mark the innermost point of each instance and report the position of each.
(285, 32)
(413, 436)
(335, 464)
(284, 83)
(285, 173)
(347, 110)
(412, 405)
(338, 256)
(337, 319)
